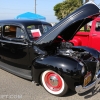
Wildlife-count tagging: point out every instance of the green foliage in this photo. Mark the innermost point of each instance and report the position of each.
(58, 11)
(66, 7)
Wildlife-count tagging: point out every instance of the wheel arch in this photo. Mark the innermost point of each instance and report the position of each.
(66, 70)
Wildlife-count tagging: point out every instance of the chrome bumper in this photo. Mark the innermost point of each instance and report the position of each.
(80, 89)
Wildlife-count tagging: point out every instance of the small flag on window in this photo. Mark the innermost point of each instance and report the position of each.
(36, 33)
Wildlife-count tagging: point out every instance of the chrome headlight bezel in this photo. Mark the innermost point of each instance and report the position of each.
(83, 70)
(83, 67)
(97, 66)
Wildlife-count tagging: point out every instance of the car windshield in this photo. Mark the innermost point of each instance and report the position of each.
(35, 31)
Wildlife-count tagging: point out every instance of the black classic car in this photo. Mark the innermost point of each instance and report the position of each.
(47, 59)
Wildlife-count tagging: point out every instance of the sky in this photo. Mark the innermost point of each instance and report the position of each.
(9, 9)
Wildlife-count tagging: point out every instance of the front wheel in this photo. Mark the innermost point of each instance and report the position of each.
(54, 83)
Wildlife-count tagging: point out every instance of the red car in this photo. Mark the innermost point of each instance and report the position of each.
(90, 37)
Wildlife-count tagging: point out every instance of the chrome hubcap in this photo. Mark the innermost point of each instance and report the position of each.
(53, 81)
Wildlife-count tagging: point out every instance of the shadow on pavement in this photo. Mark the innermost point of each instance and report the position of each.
(90, 93)
(69, 93)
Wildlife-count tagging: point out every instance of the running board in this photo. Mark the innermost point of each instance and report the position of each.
(16, 71)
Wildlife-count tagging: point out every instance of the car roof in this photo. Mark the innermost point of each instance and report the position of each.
(24, 21)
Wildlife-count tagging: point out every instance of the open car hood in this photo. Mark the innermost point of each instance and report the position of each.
(69, 26)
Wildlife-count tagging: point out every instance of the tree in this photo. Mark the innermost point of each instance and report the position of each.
(66, 7)
(58, 11)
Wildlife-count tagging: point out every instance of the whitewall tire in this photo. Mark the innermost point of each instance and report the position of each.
(54, 83)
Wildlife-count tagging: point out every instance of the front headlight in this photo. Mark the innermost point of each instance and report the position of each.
(83, 68)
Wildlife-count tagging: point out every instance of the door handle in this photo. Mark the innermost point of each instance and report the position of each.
(94, 34)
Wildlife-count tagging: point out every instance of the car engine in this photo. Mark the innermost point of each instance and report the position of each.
(67, 49)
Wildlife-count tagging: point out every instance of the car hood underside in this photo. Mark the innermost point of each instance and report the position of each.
(69, 26)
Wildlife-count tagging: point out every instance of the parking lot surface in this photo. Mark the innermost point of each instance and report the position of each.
(16, 88)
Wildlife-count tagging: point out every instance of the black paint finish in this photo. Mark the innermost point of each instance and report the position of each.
(32, 57)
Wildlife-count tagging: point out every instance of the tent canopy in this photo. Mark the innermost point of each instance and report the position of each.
(29, 15)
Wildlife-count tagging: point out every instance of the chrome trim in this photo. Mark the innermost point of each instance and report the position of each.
(13, 42)
(53, 81)
(80, 89)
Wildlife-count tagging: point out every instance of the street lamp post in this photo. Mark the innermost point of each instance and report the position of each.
(35, 6)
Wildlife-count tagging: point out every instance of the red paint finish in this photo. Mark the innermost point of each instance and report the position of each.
(91, 38)
(54, 85)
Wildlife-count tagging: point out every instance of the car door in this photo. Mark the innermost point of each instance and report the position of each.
(15, 49)
(0, 41)
(95, 38)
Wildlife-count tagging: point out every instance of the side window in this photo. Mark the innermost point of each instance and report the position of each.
(97, 28)
(11, 31)
(86, 28)
(20, 33)
(34, 31)
(31, 27)
(46, 28)
(40, 28)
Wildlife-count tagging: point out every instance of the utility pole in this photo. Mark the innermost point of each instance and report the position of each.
(35, 6)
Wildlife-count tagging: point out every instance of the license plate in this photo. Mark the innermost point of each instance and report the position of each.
(87, 78)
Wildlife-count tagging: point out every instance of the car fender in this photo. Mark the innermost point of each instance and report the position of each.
(76, 42)
(65, 66)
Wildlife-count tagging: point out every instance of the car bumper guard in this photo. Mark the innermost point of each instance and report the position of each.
(80, 89)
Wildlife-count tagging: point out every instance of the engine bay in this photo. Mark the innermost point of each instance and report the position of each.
(67, 49)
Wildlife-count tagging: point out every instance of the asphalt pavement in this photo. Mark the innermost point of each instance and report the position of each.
(16, 88)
